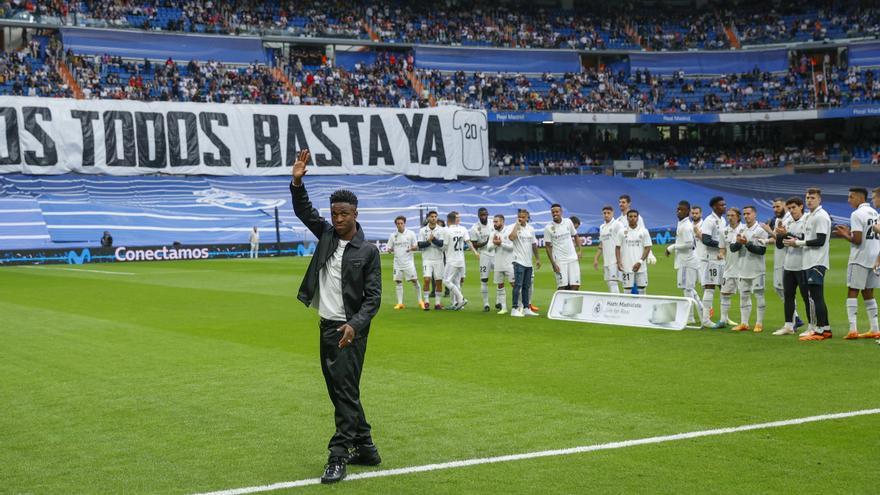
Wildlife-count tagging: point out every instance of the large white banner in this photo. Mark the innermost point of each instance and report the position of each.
(55, 136)
(666, 312)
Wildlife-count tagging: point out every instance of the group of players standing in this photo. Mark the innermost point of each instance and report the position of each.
(508, 253)
(726, 251)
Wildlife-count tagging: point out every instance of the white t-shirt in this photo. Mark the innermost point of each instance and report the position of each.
(480, 233)
(504, 252)
(779, 254)
(700, 249)
(863, 220)
(330, 305)
(817, 222)
(713, 226)
(794, 255)
(401, 243)
(733, 259)
(522, 245)
(685, 245)
(255, 237)
(608, 241)
(632, 244)
(432, 252)
(472, 126)
(560, 237)
(455, 239)
(753, 265)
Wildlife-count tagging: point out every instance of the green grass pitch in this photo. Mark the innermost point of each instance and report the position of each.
(193, 376)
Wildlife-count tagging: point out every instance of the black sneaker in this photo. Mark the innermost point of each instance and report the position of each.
(485, 309)
(334, 471)
(365, 455)
(498, 306)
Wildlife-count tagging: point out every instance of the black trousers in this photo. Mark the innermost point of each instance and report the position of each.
(342, 374)
(792, 281)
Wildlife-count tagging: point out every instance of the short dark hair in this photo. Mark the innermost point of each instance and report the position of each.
(432, 212)
(400, 217)
(750, 207)
(697, 207)
(859, 190)
(781, 200)
(344, 196)
(684, 203)
(630, 212)
(481, 210)
(556, 205)
(499, 215)
(575, 220)
(814, 190)
(451, 216)
(607, 207)
(794, 200)
(626, 197)
(522, 210)
(715, 200)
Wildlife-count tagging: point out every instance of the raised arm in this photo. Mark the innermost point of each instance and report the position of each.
(302, 205)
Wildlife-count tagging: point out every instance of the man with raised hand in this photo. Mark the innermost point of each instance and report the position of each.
(344, 282)
(480, 232)
(402, 244)
(863, 252)
(606, 250)
(712, 237)
(455, 240)
(433, 267)
(752, 240)
(559, 242)
(632, 250)
(817, 250)
(686, 261)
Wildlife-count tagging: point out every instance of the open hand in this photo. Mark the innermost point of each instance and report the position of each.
(299, 167)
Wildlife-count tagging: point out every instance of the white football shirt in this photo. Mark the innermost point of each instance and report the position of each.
(608, 241)
(863, 220)
(480, 233)
(560, 237)
(817, 222)
(401, 243)
(432, 252)
(454, 243)
(753, 265)
(632, 244)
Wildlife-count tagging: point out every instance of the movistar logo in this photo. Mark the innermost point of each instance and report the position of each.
(303, 250)
(664, 238)
(78, 259)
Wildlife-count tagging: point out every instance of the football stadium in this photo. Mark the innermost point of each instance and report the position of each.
(592, 247)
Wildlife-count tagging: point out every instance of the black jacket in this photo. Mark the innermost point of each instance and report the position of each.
(361, 267)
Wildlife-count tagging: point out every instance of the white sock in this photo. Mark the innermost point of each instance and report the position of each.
(427, 295)
(725, 306)
(399, 289)
(698, 305)
(501, 297)
(708, 298)
(418, 291)
(437, 295)
(745, 307)
(762, 306)
(871, 309)
(852, 313)
(484, 291)
(780, 293)
(455, 292)
(789, 325)
(613, 287)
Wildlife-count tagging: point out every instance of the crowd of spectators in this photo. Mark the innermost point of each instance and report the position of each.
(617, 25)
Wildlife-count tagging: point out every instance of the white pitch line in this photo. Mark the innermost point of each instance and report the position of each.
(549, 453)
(80, 270)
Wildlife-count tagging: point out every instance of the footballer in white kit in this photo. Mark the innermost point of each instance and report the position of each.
(732, 260)
(816, 246)
(433, 268)
(700, 250)
(503, 248)
(686, 261)
(456, 239)
(608, 232)
(633, 246)
(752, 241)
(480, 232)
(712, 238)
(559, 241)
(864, 250)
(402, 244)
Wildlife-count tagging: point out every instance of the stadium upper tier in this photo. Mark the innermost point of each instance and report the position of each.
(616, 25)
(74, 210)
